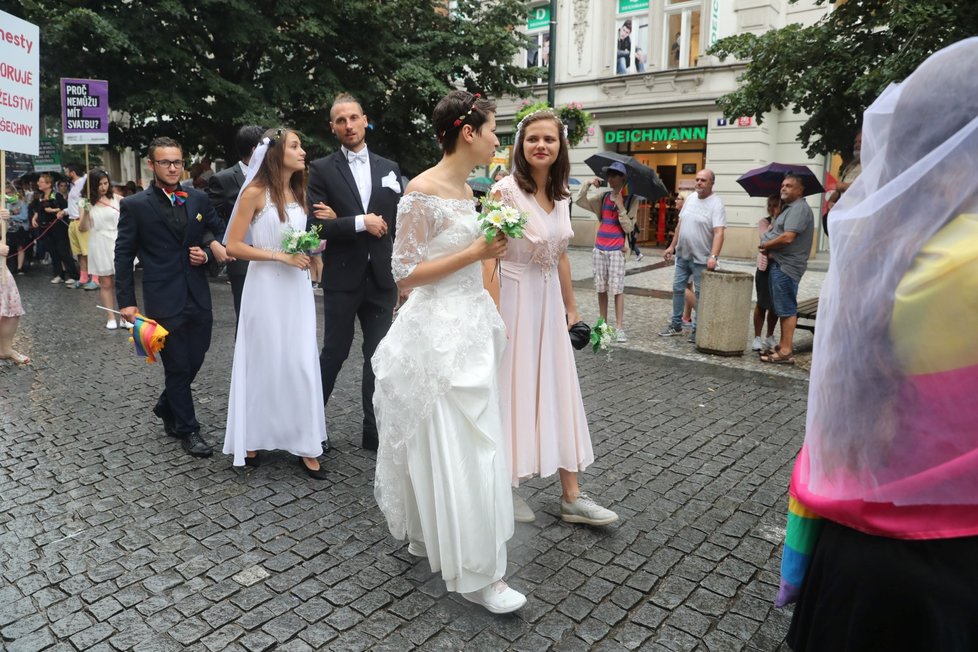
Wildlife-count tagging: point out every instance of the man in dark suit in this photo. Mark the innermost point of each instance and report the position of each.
(358, 192)
(164, 225)
(222, 190)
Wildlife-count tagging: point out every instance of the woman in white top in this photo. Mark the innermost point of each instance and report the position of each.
(100, 219)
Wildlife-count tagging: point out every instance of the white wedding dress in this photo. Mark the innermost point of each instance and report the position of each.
(276, 400)
(442, 472)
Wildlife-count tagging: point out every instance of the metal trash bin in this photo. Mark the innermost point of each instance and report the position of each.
(723, 312)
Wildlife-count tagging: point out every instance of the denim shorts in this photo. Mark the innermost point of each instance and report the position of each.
(784, 291)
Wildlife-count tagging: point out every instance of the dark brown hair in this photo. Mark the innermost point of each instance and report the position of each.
(162, 141)
(269, 175)
(559, 174)
(95, 177)
(457, 109)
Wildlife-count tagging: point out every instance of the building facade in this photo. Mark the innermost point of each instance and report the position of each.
(641, 68)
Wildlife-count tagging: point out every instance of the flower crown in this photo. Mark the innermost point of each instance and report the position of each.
(461, 119)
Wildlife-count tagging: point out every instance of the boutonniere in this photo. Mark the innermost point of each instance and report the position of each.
(200, 218)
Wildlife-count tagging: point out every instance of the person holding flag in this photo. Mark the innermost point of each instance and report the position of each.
(617, 210)
(164, 225)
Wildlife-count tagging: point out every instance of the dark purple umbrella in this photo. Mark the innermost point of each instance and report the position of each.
(766, 181)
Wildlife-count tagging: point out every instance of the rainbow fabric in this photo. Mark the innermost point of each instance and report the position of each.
(148, 338)
(804, 526)
(177, 197)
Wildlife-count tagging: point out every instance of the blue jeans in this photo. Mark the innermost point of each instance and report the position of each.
(784, 291)
(685, 267)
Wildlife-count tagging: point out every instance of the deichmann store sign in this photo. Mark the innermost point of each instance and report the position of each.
(538, 18)
(655, 134)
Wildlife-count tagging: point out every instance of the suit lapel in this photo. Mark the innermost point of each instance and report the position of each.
(376, 174)
(343, 167)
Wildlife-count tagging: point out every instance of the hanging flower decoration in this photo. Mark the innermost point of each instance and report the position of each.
(575, 118)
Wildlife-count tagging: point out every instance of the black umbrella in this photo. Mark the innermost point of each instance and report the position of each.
(766, 181)
(642, 180)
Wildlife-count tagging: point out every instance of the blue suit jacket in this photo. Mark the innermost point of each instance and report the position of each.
(170, 282)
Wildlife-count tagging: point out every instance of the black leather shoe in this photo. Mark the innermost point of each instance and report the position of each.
(196, 446)
(169, 427)
(318, 474)
(369, 442)
(253, 462)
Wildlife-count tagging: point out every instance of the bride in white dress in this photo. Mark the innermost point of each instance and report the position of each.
(442, 477)
(276, 399)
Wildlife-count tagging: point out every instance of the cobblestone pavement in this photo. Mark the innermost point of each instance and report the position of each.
(111, 538)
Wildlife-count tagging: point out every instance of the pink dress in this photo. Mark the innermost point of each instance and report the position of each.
(9, 296)
(544, 423)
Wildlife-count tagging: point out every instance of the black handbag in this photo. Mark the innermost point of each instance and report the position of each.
(580, 335)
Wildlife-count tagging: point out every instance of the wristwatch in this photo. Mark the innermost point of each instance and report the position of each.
(715, 258)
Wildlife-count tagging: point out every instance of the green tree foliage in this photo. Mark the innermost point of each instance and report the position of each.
(197, 69)
(834, 69)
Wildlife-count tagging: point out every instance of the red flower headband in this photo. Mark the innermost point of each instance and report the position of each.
(462, 118)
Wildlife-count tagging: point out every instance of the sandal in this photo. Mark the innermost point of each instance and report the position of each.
(778, 358)
(776, 348)
(17, 358)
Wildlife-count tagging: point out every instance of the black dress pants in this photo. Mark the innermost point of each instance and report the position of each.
(374, 307)
(182, 356)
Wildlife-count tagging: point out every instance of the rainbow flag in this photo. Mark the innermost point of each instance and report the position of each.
(804, 526)
(148, 337)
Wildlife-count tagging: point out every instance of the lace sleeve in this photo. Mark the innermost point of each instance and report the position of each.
(507, 190)
(415, 222)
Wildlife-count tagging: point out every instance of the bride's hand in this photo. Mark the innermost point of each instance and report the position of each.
(295, 260)
(488, 250)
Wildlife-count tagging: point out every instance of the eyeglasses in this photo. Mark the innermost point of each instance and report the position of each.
(163, 163)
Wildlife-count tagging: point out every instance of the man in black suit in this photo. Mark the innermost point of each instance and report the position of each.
(358, 191)
(222, 190)
(164, 225)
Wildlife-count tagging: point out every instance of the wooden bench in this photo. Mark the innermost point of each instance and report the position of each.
(808, 310)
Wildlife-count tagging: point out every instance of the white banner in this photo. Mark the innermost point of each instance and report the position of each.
(19, 84)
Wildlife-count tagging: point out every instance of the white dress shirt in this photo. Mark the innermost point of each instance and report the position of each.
(359, 163)
(74, 196)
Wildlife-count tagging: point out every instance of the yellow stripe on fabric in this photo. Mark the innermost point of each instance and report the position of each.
(935, 313)
(798, 509)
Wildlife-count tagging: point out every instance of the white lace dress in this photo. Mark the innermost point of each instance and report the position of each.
(276, 400)
(442, 472)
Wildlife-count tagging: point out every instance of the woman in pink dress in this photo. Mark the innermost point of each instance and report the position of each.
(10, 308)
(545, 426)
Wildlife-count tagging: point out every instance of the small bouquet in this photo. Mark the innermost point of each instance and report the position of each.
(497, 217)
(302, 242)
(602, 335)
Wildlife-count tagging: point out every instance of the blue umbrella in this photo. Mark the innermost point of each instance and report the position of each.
(766, 181)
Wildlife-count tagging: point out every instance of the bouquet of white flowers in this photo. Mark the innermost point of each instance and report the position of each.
(602, 335)
(302, 242)
(497, 217)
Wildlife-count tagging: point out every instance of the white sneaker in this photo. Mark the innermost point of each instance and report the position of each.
(126, 324)
(757, 344)
(622, 338)
(497, 598)
(521, 511)
(111, 325)
(584, 510)
(418, 549)
(770, 343)
(56, 280)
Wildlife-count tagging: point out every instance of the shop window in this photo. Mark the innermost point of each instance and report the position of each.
(682, 33)
(538, 31)
(631, 37)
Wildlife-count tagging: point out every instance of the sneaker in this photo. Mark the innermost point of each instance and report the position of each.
(72, 284)
(639, 257)
(111, 325)
(757, 344)
(770, 343)
(125, 324)
(56, 280)
(584, 510)
(687, 324)
(90, 285)
(521, 511)
(670, 330)
(418, 549)
(692, 337)
(497, 598)
(621, 338)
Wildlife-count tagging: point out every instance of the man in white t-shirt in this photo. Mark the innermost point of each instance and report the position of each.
(696, 245)
(78, 239)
